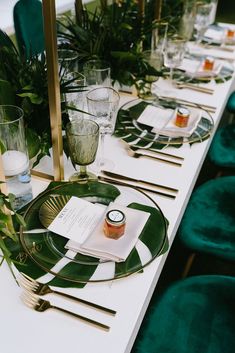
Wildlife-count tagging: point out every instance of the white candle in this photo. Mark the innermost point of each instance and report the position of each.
(14, 162)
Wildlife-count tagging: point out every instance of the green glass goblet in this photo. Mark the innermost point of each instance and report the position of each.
(82, 139)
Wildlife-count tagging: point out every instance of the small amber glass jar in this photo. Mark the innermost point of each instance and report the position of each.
(208, 64)
(182, 117)
(114, 224)
(230, 33)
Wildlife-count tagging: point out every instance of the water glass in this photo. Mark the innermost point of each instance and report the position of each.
(74, 84)
(68, 61)
(15, 154)
(202, 20)
(154, 59)
(159, 35)
(82, 139)
(103, 103)
(97, 73)
(174, 53)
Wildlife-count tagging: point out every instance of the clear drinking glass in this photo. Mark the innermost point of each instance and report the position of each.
(82, 138)
(74, 83)
(15, 154)
(97, 73)
(103, 103)
(159, 35)
(174, 53)
(68, 61)
(154, 58)
(202, 20)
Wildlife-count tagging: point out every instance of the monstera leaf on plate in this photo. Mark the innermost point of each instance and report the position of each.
(42, 251)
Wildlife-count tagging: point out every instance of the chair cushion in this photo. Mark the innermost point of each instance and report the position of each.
(222, 150)
(195, 315)
(28, 22)
(208, 224)
(231, 103)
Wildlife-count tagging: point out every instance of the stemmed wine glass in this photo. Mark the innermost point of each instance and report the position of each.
(102, 103)
(202, 20)
(82, 139)
(174, 53)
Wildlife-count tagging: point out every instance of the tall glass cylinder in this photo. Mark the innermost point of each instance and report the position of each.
(186, 25)
(15, 154)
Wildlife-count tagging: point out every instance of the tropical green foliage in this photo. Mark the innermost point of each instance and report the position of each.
(116, 33)
(24, 83)
(7, 230)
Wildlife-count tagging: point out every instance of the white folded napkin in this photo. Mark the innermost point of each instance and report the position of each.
(214, 52)
(98, 245)
(215, 34)
(162, 120)
(218, 35)
(195, 68)
(171, 130)
(82, 223)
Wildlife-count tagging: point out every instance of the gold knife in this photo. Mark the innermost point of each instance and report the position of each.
(127, 178)
(115, 181)
(209, 108)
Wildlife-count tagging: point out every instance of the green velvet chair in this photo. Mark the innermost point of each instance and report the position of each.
(222, 150)
(230, 106)
(208, 225)
(195, 315)
(28, 22)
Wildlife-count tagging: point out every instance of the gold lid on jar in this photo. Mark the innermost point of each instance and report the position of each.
(182, 111)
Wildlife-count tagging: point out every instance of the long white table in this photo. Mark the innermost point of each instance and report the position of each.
(26, 331)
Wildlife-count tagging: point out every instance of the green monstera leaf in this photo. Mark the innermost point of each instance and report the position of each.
(40, 251)
(141, 136)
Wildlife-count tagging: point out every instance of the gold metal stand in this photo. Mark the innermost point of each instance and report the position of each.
(49, 15)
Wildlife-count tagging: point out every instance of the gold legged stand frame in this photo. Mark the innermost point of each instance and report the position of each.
(49, 15)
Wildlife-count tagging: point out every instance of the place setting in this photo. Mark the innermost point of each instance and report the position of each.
(73, 229)
(165, 123)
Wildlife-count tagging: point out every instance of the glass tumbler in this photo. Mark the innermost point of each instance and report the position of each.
(97, 73)
(15, 154)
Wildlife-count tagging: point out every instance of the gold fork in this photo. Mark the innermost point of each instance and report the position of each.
(36, 287)
(182, 85)
(39, 304)
(134, 154)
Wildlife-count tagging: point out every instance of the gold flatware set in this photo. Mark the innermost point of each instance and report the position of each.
(41, 305)
(202, 89)
(34, 289)
(119, 179)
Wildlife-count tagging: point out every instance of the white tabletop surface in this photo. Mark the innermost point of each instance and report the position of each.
(26, 331)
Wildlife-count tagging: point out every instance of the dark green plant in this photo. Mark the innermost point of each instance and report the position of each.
(116, 33)
(24, 83)
(7, 228)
